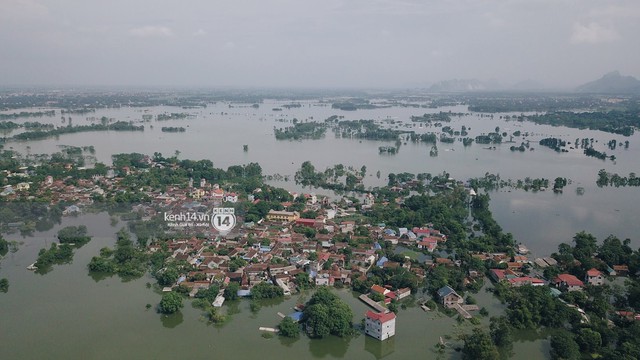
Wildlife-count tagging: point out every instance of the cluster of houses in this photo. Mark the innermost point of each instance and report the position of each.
(514, 276)
(272, 250)
(275, 251)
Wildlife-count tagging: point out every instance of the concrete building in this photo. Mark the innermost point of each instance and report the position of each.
(288, 216)
(449, 297)
(594, 277)
(380, 325)
(568, 282)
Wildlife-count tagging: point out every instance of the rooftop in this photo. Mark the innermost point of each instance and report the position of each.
(382, 317)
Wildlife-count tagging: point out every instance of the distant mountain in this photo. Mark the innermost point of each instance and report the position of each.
(462, 85)
(612, 83)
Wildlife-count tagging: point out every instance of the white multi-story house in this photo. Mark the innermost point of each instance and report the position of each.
(369, 200)
(380, 325)
(232, 197)
(594, 277)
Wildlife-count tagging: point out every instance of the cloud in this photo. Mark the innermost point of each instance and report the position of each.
(593, 33)
(199, 32)
(151, 31)
(616, 12)
(20, 10)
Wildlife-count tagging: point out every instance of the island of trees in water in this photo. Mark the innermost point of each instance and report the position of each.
(173, 129)
(43, 134)
(616, 122)
(614, 179)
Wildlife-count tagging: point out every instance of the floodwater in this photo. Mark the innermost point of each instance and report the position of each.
(219, 132)
(68, 314)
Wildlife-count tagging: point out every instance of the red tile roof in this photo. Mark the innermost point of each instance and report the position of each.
(382, 317)
(593, 272)
(569, 279)
(499, 273)
(307, 222)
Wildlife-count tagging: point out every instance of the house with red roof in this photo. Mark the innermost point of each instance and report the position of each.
(568, 282)
(428, 243)
(525, 280)
(502, 274)
(514, 266)
(379, 289)
(231, 197)
(380, 326)
(217, 194)
(306, 222)
(594, 277)
(421, 232)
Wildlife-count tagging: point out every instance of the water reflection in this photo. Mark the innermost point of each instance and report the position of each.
(379, 349)
(233, 307)
(288, 342)
(331, 346)
(173, 320)
(531, 344)
(97, 276)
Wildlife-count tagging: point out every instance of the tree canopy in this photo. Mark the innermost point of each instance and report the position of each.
(478, 346)
(325, 313)
(170, 303)
(289, 328)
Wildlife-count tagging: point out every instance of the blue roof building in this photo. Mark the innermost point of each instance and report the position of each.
(296, 316)
(381, 262)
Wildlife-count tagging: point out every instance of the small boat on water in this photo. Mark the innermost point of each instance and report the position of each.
(32, 267)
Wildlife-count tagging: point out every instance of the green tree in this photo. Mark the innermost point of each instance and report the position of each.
(302, 281)
(101, 264)
(4, 246)
(325, 313)
(236, 263)
(589, 341)
(4, 285)
(170, 303)
(564, 347)
(74, 235)
(478, 346)
(167, 277)
(377, 297)
(265, 290)
(614, 252)
(393, 307)
(289, 328)
(209, 294)
(231, 291)
(585, 245)
(500, 331)
(214, 316)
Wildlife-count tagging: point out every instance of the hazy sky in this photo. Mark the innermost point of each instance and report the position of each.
(323, 43)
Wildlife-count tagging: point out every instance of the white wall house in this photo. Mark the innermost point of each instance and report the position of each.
(380, 325)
